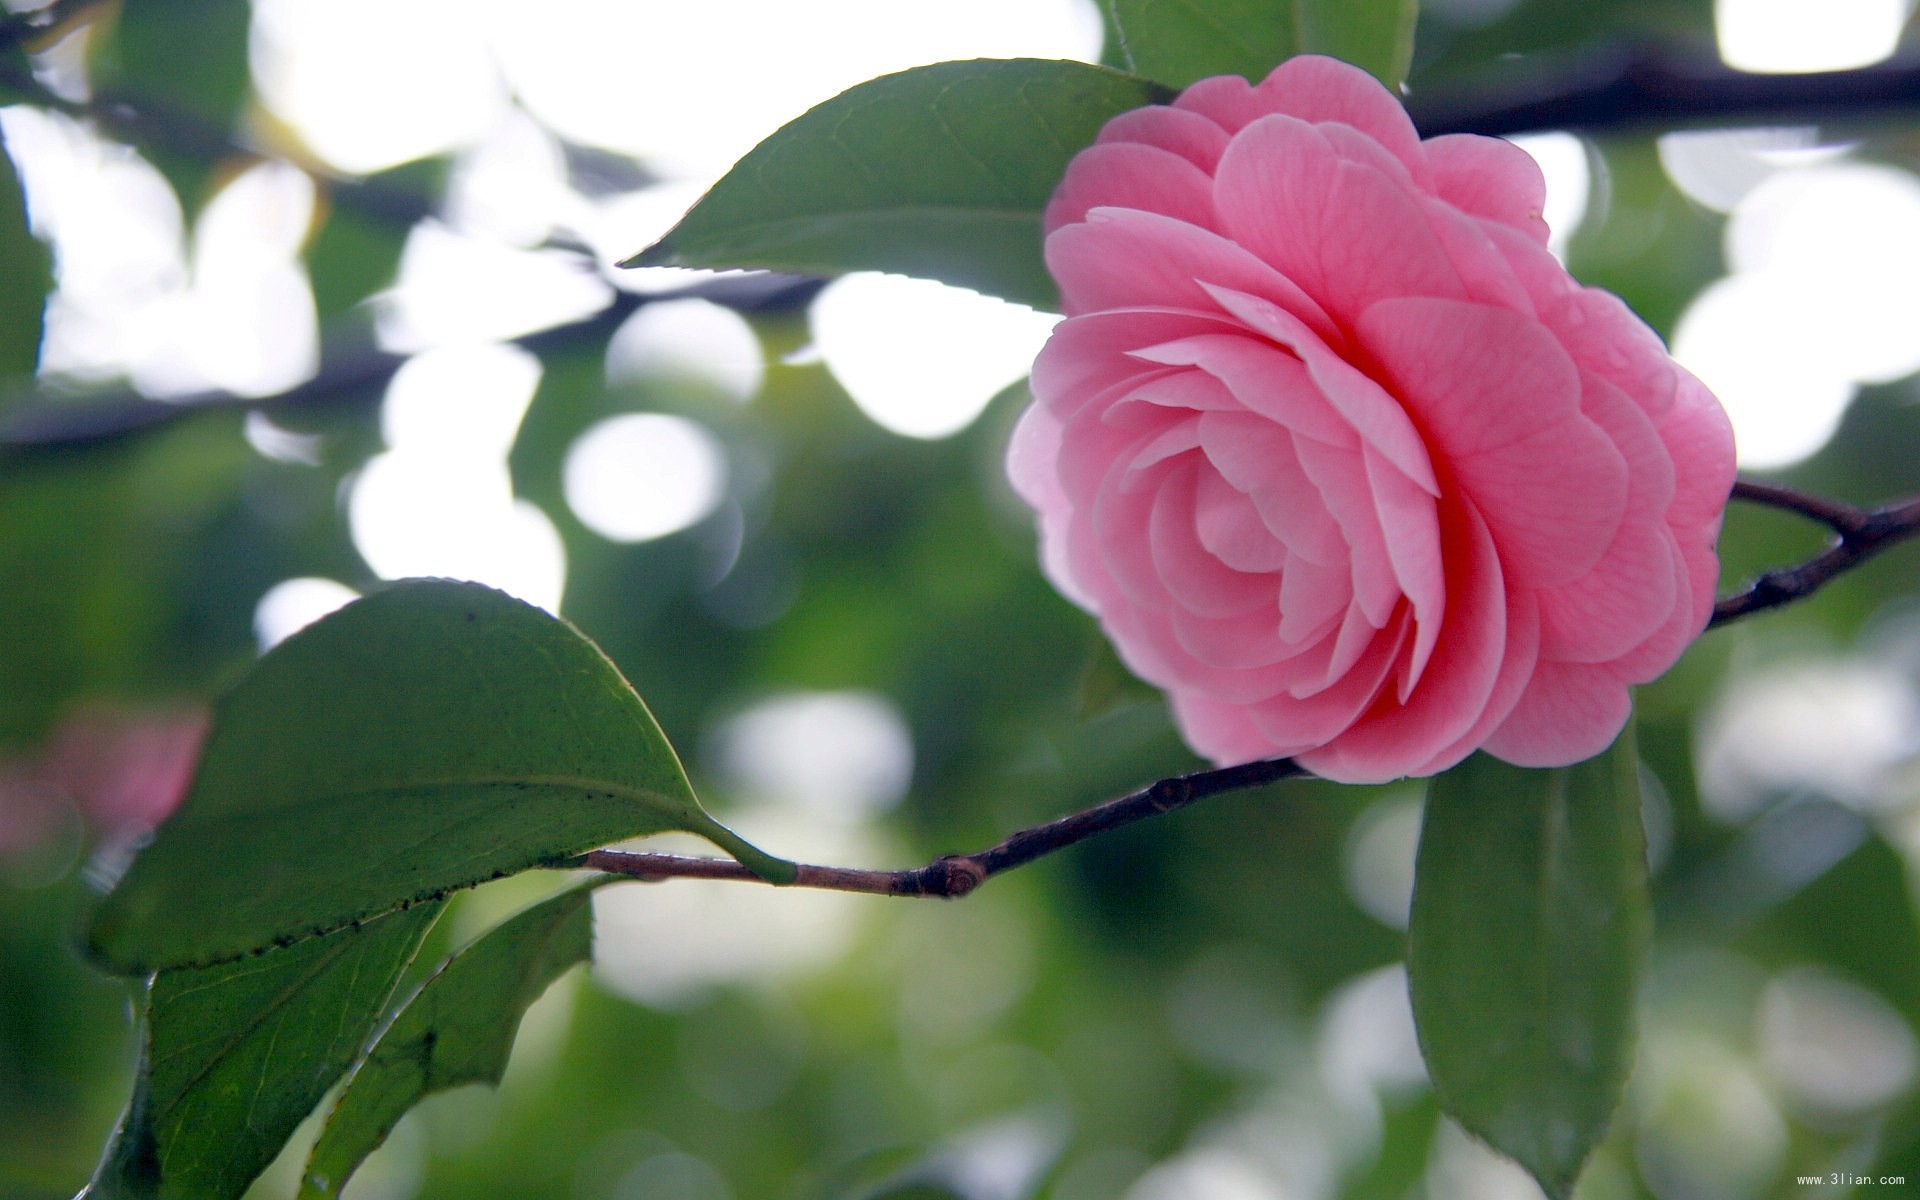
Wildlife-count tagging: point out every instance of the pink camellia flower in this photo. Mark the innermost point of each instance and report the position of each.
(1341, 456)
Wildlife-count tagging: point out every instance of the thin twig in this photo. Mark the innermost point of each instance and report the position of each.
(955, 875)
(1859, 534)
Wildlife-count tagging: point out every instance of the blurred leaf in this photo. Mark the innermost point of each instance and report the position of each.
(1529, 929)
(183, 62)
(1374, 35)
(1179, 41)
(192, 52)
(27, 279)
(237, 1055)
(457, 1029)
(939, 171)
(430, 737)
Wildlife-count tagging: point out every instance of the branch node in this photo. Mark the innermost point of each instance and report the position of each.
(950, 877)
(1168, 794)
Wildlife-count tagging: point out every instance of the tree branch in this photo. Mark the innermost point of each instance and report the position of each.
(1612, 88)
(955, 875)
(353, 369)
(1859, 534)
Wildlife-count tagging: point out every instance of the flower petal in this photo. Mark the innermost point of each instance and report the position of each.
(1123, 258)
(1128, 175)
(1498, 399)
(1347, 233)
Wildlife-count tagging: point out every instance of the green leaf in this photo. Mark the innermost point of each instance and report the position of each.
(1529, 929)
(941, 172)
(184, 60)
(457, 1029)
(429, 737)
(238, 1054)
(1179, 41)
(1374, 35)
(25, 283)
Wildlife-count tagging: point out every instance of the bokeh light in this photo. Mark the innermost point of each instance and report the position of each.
(1822, 298)
(293, 604)
(840, 757)
(1834, 1047)
(1569, 175)
(640, 476)
(423, 84)
(440, 500)
(1791, 35)
(919, 357)
(688, 341)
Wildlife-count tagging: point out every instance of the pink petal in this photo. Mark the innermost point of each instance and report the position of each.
(1700, 439)
(1298, 724)
(1193, 137)
(1086, 354)
(1619, 604)
(1127, 175)
(1629, 593)
(1346, 233)
(1490, 178)
(1197, 582)
(1259, 458)
(1194, 391)
(1357, 635)
(1150, 643)
(1230, 528)
(1373, 414)
(1460, 683)
(1412, 530)
(1312, 598)
(1123, 258)
(1238, 643)
(1264, 378)
(1516, 670)
(1224, 733)
(1226, 100)
(1498, 400)
(1684, 620)
(1315, 88)
(1483, 270)
(1341, 477)
(1119, 516)
(1569, 712)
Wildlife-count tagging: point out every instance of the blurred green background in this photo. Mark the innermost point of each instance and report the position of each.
(844, 629)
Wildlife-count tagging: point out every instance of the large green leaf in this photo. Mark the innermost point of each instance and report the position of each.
(457, 1029)
(1374, 35)
(1530, 924)
(940, 171)
(430, 737)
(238, 1054)
(24, 284)
(1179, 41)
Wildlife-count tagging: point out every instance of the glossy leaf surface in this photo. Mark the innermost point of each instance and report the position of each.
(940, 172)
(1529, 928)
(429, 737)
(238, 1054)
(1179, 41)
(457, 1029)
